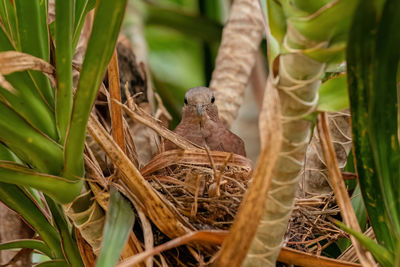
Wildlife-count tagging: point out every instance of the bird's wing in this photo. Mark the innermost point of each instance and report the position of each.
(190, 132)
(168, 145)
(180, 129)
(233, 143)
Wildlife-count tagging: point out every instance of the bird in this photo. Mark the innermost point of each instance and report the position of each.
(201, 125)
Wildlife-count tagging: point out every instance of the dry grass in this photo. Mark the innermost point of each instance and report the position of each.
(189, 182)
(310, 229)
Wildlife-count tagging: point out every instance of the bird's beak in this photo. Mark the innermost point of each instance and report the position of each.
(199, 109)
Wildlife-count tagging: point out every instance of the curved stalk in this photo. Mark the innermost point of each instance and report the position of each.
(243, 230)
(237, 53)
(296, 135)
(59, 188)
(300, 49)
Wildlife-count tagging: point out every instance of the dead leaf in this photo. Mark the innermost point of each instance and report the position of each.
(13, 61)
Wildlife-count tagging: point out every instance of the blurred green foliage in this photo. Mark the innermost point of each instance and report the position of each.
(176, 64)
(183, 38)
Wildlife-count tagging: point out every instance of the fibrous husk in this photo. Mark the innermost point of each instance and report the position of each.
(315, 178)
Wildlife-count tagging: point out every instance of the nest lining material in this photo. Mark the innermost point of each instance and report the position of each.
(188, 180)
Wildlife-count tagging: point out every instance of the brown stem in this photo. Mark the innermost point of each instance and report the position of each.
(115, 109)
(244, 228)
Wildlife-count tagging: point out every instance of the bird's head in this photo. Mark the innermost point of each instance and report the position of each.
(199, 98)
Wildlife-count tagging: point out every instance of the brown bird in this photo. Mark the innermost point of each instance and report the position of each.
(201, 125)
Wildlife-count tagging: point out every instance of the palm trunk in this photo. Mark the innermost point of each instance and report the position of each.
(297, 81)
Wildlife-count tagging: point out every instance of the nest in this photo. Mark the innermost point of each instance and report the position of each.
(310, 227)
(205, 187)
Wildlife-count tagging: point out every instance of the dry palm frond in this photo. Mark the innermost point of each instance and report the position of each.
(298, 258)
(13, 61)
(339, 189)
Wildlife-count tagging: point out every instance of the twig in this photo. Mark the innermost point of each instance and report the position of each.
(213, 237)
(137, 114)
(218, 178)
(129, 97)
(349, 176)
(196, 196)
(148, 236)
(217, 192)
(210, 158)
(169, 194)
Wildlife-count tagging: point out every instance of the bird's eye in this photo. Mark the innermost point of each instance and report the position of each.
(212, 99)
(185, 100)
